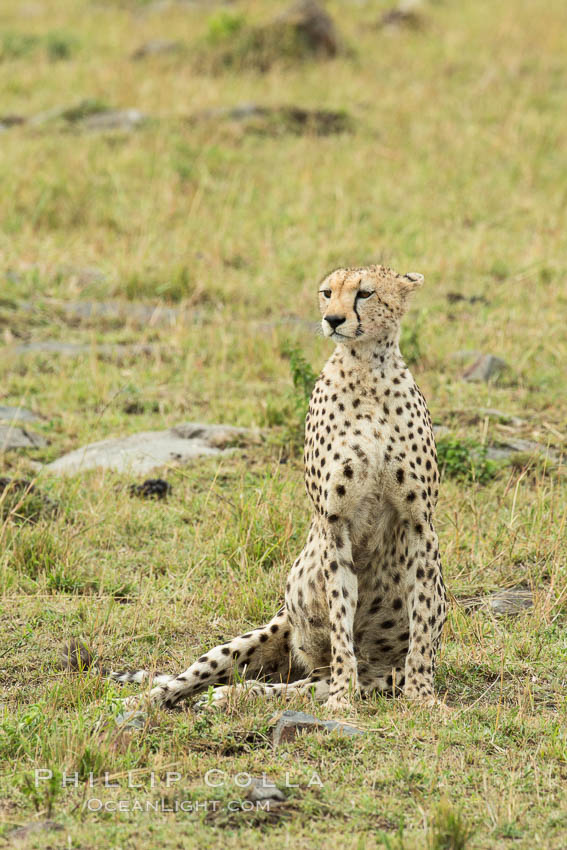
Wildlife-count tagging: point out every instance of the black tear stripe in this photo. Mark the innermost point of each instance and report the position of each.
(358, 331)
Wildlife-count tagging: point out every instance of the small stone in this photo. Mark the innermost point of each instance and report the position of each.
(277, 120)
(83, 275)
(510, 602)
(502, 416)
(465, 355)
(408, 13)
(239, 112)
(505, 450)
(314, 23)
(264, 789)
(456, 297)
(19, 438)
(91, 114)
(23, 832)
(485, 368)
(157, 47)
(131, 721)
(71, 114)
(7, 121)
(50, 347)
(291, 723)
(514, 600)
(440, 431)
(115, 119)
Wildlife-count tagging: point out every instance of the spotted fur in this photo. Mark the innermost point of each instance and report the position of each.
(365, 599)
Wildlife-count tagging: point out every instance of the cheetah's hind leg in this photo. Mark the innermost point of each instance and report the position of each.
(262, 651)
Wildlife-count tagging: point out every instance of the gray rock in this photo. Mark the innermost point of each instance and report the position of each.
(140, 314)
(314, 23)
(91, 114)
(131, 721)
(465, 354)
(77, 348)
(83, 275)
(275, 120)
(458, 297)
(137, 313)
(8, 121)
(440, 431)
(23, 832)
(292, 723)
(71, 114)
(486, 367)
(19, 438)
(217, 436)
(514, 600)
(512, 446)
(505, 449)
(264, 789)
(235, 113)
(13, 276)
(114, 119)
(502, 416)
(48, 346)
(241, 111)
(509, 602)
(157, 47)
(408, 13)
(17, 414)
(140, 453)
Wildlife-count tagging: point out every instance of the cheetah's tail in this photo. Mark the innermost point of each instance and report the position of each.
(76, 657)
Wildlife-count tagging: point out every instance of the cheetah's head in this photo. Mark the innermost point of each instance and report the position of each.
(364, 304)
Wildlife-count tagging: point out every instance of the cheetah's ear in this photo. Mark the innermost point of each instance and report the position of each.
(410, 281)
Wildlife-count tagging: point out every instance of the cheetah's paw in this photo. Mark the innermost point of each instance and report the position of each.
(214, 698)
(338, 702)
(427, 701)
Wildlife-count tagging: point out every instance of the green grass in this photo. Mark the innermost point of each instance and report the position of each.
(453, 167)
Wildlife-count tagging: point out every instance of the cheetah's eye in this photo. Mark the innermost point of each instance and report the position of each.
(361, 294)
(326, 293)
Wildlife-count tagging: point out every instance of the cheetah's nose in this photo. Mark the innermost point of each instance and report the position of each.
(335, 321)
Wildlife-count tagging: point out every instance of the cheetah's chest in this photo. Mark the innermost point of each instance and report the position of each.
(345, 439)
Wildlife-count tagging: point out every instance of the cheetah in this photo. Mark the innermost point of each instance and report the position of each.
(365, 600)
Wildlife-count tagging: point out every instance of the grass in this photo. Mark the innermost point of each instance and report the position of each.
(465, 459)
(453, 167)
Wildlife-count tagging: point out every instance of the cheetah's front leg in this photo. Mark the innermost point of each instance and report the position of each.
(426, 610)
(341, 586)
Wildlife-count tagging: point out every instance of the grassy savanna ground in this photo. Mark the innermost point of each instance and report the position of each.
(454, 168)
